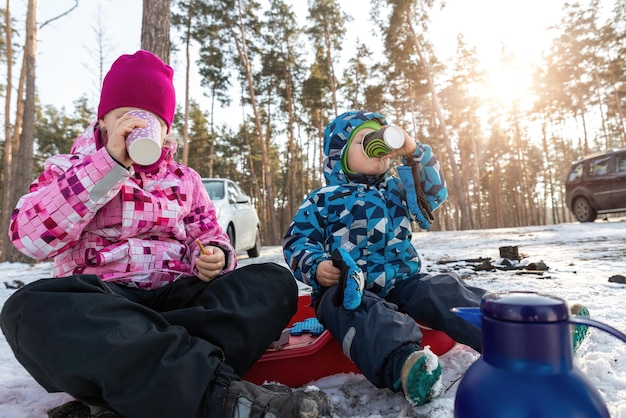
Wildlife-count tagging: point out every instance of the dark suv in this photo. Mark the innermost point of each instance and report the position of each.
(597, 184)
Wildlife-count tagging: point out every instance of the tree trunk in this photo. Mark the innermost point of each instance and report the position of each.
(5, 209)
(270, 217)
(24, 134)
(155, 28)
(187, 69)
(212, 135)
(291, 151)
(331, 69)
(456, 178)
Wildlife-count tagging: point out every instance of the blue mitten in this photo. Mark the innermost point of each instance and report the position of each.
(351, 282)
(415, 198)
(308, 326)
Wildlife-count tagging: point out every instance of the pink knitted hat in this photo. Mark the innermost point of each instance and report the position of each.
(140, 80)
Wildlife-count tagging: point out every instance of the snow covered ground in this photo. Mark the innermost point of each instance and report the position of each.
(581, 258)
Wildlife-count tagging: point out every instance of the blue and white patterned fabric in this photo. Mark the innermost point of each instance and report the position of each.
(367, 216)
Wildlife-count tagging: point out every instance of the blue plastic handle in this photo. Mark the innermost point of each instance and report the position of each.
(475, 316)
(604, 327)
(472, 315)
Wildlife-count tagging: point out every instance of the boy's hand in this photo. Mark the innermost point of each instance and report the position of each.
(327, 274)
(211, 264)
(407, 148)
(351, 283)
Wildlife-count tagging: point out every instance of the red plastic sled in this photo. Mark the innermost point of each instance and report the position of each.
(306, 358)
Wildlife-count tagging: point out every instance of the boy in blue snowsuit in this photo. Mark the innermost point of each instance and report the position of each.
(351, 242)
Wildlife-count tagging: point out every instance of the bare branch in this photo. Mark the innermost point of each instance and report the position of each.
(59, 16)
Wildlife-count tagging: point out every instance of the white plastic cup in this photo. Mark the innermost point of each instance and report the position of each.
(380, 143)
(144, 144)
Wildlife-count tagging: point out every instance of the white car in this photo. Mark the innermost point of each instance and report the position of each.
(235, 214)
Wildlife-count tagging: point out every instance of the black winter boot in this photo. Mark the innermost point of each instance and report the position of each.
(247, 400)
(72, 409)
(77, 409)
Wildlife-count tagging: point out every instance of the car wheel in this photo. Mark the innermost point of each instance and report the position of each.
(230, 231)
(583, 210)
(256, 250)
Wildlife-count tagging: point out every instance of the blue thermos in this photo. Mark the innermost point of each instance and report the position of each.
(526, 368)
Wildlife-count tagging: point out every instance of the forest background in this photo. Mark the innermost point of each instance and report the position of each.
(506, 153)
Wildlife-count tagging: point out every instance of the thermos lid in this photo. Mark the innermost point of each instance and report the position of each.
(522, 306)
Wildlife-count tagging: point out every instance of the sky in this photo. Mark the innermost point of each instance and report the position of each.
(580, 259)
(66, 68)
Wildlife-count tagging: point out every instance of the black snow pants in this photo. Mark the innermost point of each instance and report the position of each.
(372, 333)
(147, 353)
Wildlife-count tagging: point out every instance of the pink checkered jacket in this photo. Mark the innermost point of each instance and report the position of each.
(127, 226)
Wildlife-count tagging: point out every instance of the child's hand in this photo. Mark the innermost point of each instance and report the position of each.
(327, 275)
(407, 148)
(211, 264)
(116, 143)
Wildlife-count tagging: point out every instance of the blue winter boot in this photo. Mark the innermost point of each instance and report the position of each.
(421, 377)
(579, 331)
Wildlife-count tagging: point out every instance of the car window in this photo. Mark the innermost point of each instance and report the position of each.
(620, 163)
(232, 193)
(599, 167)
(239, 190)
(215, 189)
(576, 172)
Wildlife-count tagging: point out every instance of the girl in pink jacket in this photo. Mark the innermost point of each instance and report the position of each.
(147, 314)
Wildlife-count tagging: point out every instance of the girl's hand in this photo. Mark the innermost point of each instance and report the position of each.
(117, 131)
(211, 264)
(327, 275)
(408, 148)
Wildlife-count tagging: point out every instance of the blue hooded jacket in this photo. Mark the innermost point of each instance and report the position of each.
(365, 215)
